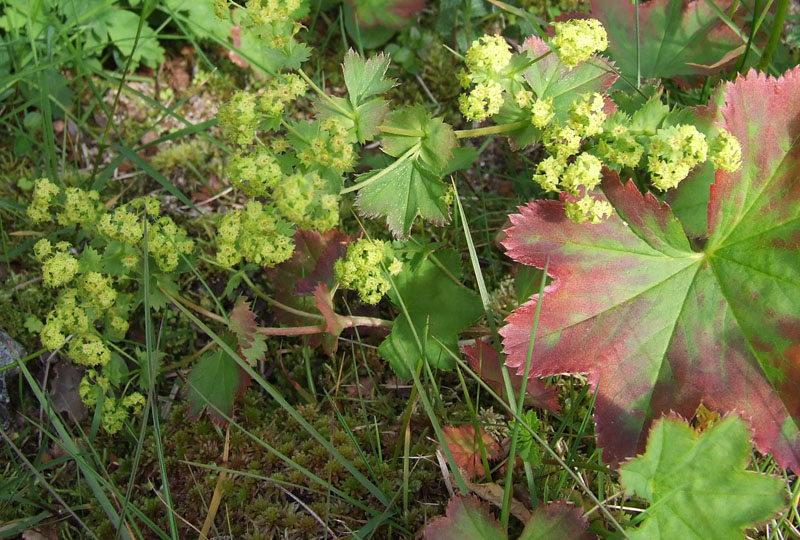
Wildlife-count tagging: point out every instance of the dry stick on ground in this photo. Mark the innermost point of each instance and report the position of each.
(216, 499)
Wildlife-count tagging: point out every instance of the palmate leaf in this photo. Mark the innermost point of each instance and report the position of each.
(468, 518)
(410, 186)
(362, 112)
(439, 309)
(659, 327)
(697, 485)
(678, 37)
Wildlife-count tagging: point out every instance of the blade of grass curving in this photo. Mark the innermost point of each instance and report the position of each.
(152, 396)
(775, 34)
(43, 481)
(136, 159)
(520, 403)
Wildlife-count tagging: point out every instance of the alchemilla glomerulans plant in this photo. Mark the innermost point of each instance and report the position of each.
(669, 233)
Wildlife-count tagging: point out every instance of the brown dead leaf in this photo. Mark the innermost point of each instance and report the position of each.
(464, 445)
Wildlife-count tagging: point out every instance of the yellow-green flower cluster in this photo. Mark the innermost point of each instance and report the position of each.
(588, 208)
(577, 40)
(89, 350)
(725, 152)
(239, 118)
(99, 290)
(361, 269)
(486, 59)
(619, 146)
(542, 112)
(43, 193)
(279, 92)
(488, 55)
(79, 207)
(274, 20)
(255, 234)
(674, 151)
(586, 115)
(562, 140)
(58, 265)
(584, 173)
(302, 199)
(255, 174)
(331, 147)
(166, 242)
(115, 411)
(125, 224)
(482, 102)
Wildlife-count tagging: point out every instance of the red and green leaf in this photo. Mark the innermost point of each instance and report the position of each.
(467, 518)
(252, 345)
(464, 445)
(658, 327)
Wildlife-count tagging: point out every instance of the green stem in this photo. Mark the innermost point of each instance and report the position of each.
(775, 36)
(380, 174)
(491, 130)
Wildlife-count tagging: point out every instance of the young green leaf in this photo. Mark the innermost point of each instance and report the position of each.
(659, 327)
(438, 307)
(697, 484)
(402, 193)
(361, 112)
(436, 139)
(217, 379)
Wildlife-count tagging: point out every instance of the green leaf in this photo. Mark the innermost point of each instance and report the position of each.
(436, 139)
(217, 379)
(252, 345)
(122, 26)
(402, 193)
(438, 306)
(365, 78)
(697, 484)
(363, 121)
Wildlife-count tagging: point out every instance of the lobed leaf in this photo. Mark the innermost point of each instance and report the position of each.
(658, 327)
(438, 314)
(697, 484)
(252, 345)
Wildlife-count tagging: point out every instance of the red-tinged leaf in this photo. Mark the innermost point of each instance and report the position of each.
(549, 78)
(679, 37)
(485, 361)
(658, 327)
(464, 445)
(295, 280)
(556, 521)
(252, 345)
(466, 518)
(335, 322)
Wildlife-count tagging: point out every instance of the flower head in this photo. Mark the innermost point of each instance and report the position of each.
(577, 40)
